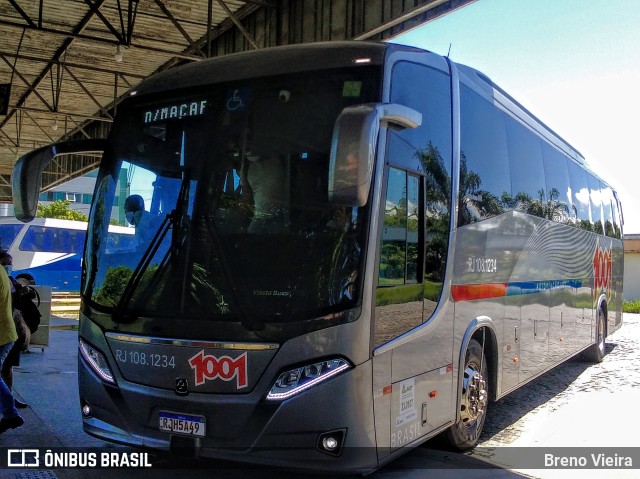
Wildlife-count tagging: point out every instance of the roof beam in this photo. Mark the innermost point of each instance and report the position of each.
(89, 94)
(67, 114)
(176, 24)
(26, 82)
(243, 30)
(15, 146)
(95, 10)
(22, 13)
(39, 127)
(215, 32)
(55, 57)
(32, 58)
(74, 35)
(408, 16)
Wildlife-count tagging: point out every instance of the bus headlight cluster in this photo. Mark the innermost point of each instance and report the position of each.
(291, 382)
(97, 361)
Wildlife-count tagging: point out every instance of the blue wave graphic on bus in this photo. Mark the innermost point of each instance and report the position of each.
(471, 292)
(533, 287)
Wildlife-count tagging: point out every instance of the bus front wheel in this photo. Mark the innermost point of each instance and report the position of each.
(474, 400)
(595, 353)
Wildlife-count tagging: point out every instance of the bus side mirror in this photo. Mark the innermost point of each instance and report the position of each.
(27, 172)
(353, 148)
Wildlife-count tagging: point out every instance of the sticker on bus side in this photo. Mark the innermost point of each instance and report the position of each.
(407, 406)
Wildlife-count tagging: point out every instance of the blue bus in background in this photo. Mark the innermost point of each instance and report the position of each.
(51, 249)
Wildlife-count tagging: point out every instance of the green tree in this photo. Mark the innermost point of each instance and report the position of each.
(60, 209)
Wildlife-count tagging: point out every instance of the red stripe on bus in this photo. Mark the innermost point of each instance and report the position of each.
(469, 292)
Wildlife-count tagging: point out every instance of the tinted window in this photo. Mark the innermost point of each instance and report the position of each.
(413, 227)
(595, 194)
(298, 257)
(7, 234)
(53, 240)
(121, 242)
(398, 257)
(484, 168)
(528, 193)
(580, 195)
(427, 150)
(617, 217)
(433, 99)
(607, 211)
(556, 175)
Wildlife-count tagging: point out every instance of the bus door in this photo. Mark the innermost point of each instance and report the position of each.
(413, 345)
(412, 365)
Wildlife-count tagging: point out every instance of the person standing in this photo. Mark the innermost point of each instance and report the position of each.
(22, 307)
(146, 224)
(8, 335)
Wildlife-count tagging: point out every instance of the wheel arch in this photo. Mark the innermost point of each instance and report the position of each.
(482, 329)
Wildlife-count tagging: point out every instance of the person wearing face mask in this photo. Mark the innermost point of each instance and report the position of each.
(8, 336)
(140, 218)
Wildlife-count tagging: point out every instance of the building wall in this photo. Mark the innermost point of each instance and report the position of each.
(632, 276)
(80, 192)
(632, 267)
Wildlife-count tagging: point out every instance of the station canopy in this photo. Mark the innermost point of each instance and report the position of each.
(65, 64)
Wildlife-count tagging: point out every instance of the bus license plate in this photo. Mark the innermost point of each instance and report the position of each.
(182, 424)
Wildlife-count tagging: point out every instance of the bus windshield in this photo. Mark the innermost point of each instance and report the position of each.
(226, 188)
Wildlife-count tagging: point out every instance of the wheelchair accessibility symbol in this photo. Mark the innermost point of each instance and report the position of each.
(238, 100)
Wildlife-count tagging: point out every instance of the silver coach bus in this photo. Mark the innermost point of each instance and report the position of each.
(353, 247)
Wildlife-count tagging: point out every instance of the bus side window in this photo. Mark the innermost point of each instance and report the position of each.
(556, 175)
(33, 240)
(617, 218)
(607, 209)
(595, 196)
(399, 294)
(580, 196)
(399, 250)
(485, 174)
(64, 242)
(528, 194)
(410, 284)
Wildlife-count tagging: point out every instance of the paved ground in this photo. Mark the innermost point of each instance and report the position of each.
(586, 407)
(576, 405)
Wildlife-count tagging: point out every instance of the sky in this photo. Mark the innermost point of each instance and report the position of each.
(575, 64)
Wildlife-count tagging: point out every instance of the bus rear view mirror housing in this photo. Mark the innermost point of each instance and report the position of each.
(27, 172)
(353, 148)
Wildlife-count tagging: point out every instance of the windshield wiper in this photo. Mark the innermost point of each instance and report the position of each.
(174, 221)
(148, 255)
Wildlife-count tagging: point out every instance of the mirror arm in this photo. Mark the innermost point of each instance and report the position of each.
(399, 115)
(27, 172)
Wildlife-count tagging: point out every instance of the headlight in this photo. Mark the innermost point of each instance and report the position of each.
(291, 382)
(96, 361)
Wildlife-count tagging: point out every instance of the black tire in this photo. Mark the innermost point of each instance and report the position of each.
(474, 399)
(595, 352)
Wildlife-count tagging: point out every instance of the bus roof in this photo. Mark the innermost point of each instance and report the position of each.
(52, 222)
(326, 55)
(272, 61)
